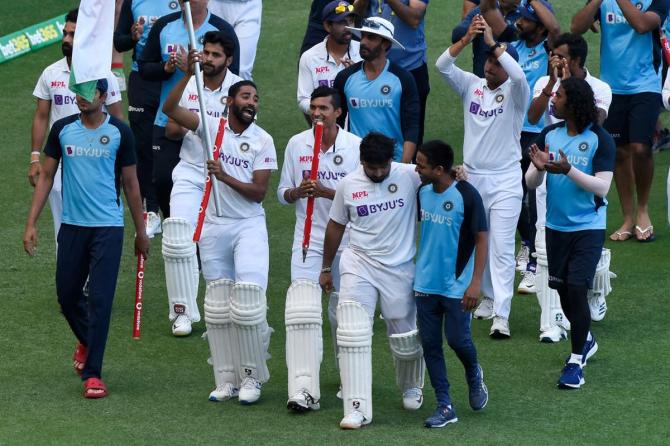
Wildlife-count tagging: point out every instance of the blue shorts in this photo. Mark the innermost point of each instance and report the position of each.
(573, 256)
(632, 118)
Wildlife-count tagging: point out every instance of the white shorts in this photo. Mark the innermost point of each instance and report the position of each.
(237, 251)
(187, 191)
(363, 279)
(310, 269)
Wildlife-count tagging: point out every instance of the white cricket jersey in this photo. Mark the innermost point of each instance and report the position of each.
(334, 164)
(318, 68)
(215, 103)
(53, 86)
(601, 92)
(242, 154)
(492, 118)
(382, 216)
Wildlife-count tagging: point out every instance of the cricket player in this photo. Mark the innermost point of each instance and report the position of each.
(338, 157)
(449, 268)
(320, 64)
(377, 202)
(234, 247)
(245, 18)
(567, 60)
(56, 101)
(582, 170)
(494, 109)
(132, 30)
(188, 177)
(98, 158)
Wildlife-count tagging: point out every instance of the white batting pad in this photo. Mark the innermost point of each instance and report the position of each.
(249, 316)
(408, 359)
(354, 343)
(181, 268)
(304, 340)
(223, 345)
(332, 318)
(551, 312)
(602, 286)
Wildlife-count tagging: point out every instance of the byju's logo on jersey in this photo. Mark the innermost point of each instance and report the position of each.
(611, 17)
(583, 147)
(362, 210)
(365, 210)
(323, 175)
(476, 109)
(60, 99)
(171, 48)
(91, 152)
(370, 103)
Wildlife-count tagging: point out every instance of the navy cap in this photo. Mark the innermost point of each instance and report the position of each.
(337, 11)
(528, 12)
(102, 86)
(509, 49)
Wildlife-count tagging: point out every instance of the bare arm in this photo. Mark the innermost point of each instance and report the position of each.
(471, 295)
(548, 19)
(44, 185)
(178, 114)
(408, 150)
(131, 189)
(467, 7)
(641, 21)
(331, 243)
(174, 131)
(493, 16)
(582, 21)
(361, 7)
(39, 130)
(411, 13)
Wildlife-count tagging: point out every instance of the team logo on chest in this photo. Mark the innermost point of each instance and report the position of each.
(448, 206)
(393, 188)
(583, 146)
(201, 40)
(223, 100)
(173, 5)
(104, 140)
(386, 89)
(338, 160)
(532, 53)
(638, 5)
(244, 147)
(500, 98)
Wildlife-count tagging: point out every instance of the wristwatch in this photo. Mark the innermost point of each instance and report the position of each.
(326, 269)
(493, 47)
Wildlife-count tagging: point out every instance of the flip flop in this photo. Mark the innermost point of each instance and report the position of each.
(79, 358)
(643, 231)
(94, 388)
(621, 236)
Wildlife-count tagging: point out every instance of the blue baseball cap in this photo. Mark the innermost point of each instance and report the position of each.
(337, 11)
(528, 12)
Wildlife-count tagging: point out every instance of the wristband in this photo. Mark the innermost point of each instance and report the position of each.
(34, 161)
(326, 269)
(36, 152)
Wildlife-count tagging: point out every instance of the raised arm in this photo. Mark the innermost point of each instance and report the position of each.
(493, 16)
(411, 13)
(548, 19)
(644, 21)
(582, 21)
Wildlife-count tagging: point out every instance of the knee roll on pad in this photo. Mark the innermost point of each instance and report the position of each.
(181, 268)
(304, 339)
(249, 317)
(408, 358)
(354, 343)
(221, 336)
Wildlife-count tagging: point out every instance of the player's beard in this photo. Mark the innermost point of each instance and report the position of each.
(369, 54)
(241, 116)
(66, 48)
(210, 70)
(343, 38)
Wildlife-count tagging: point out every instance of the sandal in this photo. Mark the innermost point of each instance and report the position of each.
(94, 388)
(621, 236)
(79, 358)
(641, 232)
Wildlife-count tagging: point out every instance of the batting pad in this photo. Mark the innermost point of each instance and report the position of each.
(602, 280)
(551, 312)
(181, 268)
(249, 316)
(223, 345)
(408, 358)
(332, 318)
(354, 343)
(304, 341)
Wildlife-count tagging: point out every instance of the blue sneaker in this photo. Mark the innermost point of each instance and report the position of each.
(479, 394)
(442, 416)
(572, 377)
(590, 349)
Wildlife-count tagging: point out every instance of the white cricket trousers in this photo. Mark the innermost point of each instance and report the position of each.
(188, 187)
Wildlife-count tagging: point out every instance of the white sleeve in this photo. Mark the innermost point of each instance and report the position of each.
(457, 79)
(338, 210)
(305, 84)
(113, 90)
(603, 97)
(520, 88)
(286, 180)
(665, 93)
(41, 90)
(599, 184)
(539, 86)
(266, 159)
(534, 178)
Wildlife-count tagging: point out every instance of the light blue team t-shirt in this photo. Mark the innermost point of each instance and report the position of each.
(569, 207)
(92, 162)
(150, 11)
(450, 222)
(535, 62)
(629, 61)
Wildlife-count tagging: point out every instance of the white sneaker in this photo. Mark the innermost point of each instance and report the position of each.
(527, 284)
(354, 420)
(500, 328)
(302, 401)
(485, 309)
(553, 334)
(153, 224)
(338, 395)
(224, 392)
(412, 399)
(181, 326)
(522, 258)
(597, 307)
(250, 390)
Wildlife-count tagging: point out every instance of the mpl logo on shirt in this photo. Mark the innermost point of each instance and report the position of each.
(368, 209)
(58, 84)
(91, 152)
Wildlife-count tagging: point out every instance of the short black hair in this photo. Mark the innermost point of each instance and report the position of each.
(222, 39)
(580, 102)
(577, 46)
(72, 15)
(438, 153)
(324, 92)
(377, 148)
(235, 88)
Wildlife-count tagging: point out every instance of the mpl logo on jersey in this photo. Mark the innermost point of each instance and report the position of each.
(60, 99)
(305, 158)
(58, 84)
(377, 208)
(321, 70)
(91, 152)
(477, 109)
(370, 103)
(192, 97)
(359, 195)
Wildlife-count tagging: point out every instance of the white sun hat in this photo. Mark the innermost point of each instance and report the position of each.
(378, 26)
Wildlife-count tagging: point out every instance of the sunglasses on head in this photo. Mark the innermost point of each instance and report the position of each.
(343, 7)
(375, 25)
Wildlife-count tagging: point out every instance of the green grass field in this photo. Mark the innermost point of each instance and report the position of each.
(159, 385)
